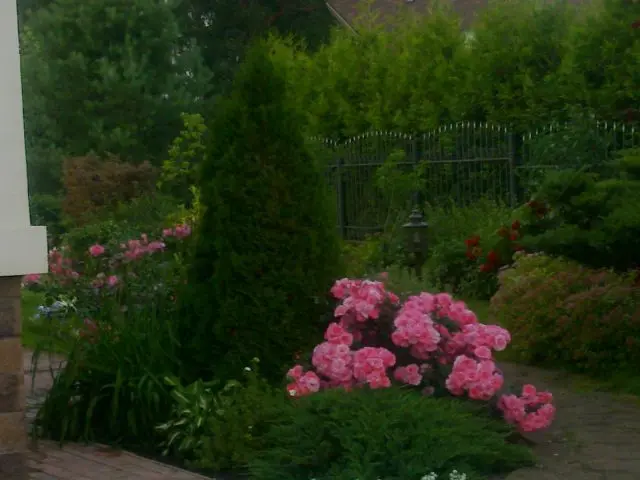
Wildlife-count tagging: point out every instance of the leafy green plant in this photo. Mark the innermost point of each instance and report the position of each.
(560, 313)
(219, 429)
(388, 433)
(448, 266)
(111, 311)
(186, 153)
(266, 248)
(193, 405)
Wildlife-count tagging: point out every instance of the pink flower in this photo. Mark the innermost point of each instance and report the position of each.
(479, 379)
(182, 231)
(370, 365)
(295, 373)
(304, 383)
(96, 250)
(410, 374)
(113, 280)
(156, 246)
(31, 279)
(482, 353)
(167, 232)
(337, 334)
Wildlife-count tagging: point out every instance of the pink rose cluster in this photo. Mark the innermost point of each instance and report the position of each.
(531, 411)
(434, 332)
(479, 379)
(61, 265)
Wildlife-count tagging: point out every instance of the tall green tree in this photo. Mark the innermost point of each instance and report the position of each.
(106, 76)
(603, 63)
(512, 69)
(224, 28)
(266, 247)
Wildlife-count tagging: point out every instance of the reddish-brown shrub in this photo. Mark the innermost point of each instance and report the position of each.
(93, 184)
(561, 313)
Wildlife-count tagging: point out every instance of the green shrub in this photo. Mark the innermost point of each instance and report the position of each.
(217, 429)
(448, 266)
(560, 313)
(388, 433)
(591, 216)
(267, 248)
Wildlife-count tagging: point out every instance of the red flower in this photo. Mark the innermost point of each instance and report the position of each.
(485, 267)
(472, 241)
(515, 225)
(514, 235)
(492, 257)
(470, 255)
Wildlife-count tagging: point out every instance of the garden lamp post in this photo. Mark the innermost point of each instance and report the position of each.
(416, 240)
(23, 249)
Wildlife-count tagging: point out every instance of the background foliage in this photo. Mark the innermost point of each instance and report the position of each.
(560, 313)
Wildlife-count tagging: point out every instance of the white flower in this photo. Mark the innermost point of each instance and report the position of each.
(247, 369)
(292, 393)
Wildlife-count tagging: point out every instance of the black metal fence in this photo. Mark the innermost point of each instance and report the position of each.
(458, 163)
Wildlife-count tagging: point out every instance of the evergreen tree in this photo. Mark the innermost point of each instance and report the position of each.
(267, 248)
(224, 28)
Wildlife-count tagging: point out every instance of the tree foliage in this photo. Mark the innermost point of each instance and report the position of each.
(106, 76)
(266, 247)
(224, 28)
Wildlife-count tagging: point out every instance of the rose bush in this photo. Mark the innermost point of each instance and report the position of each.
(430, 341)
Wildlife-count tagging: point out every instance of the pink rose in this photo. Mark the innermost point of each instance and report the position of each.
(96, 250)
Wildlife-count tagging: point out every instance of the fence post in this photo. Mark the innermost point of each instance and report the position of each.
(514, 150)
(415, 159)
(341, 190)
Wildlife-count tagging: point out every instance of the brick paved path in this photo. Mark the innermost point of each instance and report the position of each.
(47, 461)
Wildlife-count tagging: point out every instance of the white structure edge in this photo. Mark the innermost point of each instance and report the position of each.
(23, 248)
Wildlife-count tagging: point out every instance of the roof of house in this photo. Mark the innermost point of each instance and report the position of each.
(347, 10)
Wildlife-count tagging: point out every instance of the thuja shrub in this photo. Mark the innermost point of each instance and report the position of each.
(561, 313)
(94, 184)
(389, 434)
(266, 248)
